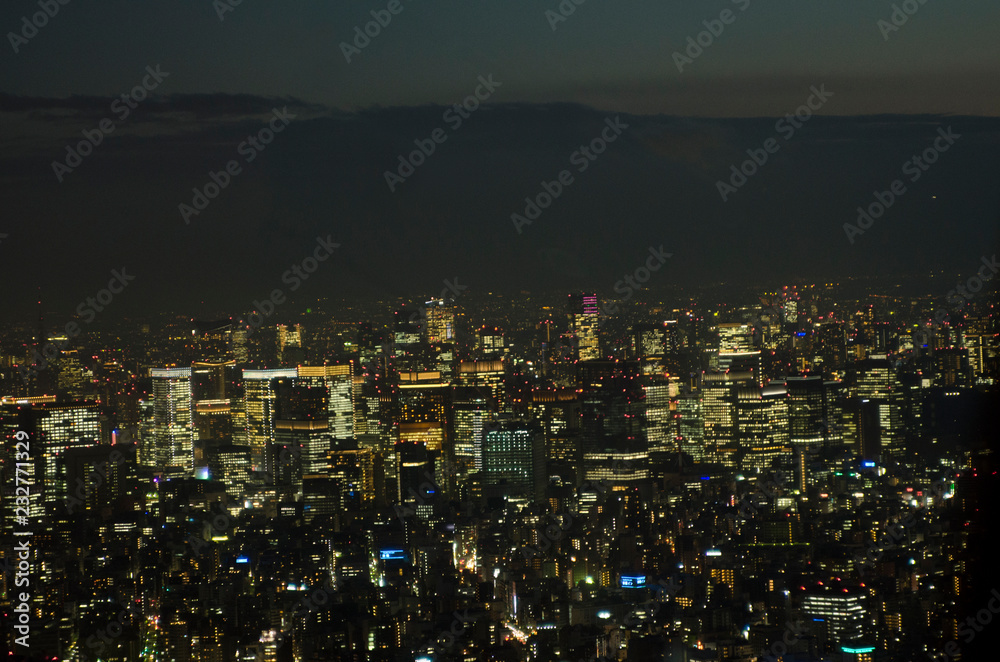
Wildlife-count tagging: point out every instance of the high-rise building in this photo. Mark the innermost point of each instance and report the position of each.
(878, 386)
(584, 317)
(841, 613)
(808, 418)
(230, 464)
(718, 400)
(472, 408)
(173, 420)
(259, 405)
(440, 322)
(290, 345)
(513, 461)
(690, 426)
(762, 428)
(338, 380)
(735, 337)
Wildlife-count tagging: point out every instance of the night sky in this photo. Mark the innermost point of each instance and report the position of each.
(325, 173)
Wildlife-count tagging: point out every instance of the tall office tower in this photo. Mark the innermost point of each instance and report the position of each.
(213, 420)
(514, 462)
(407, 328)
(290, 344)
(808, 418)
(416, 481)
(490, 343)
(57, 428)
(238, 344)
(648, 342)
(338, 381)
(73, 378)
(440, 322)
(472, 409)
(613, 406)
(354, 471)
(423, 409)
(762, 428)
(661, 431)
(831, 347)
(211, 341)
(301, 446)
(735, 337)
(229, 463)
(690, 426)
(718, 395)
(147, 455)
(558, 410)
(741, 362)
(488, 374)
(877, 384)
(173, 420)
(841, 612)
(790, 304)
(951, 367)
(674, 347)
(583, 318)
(259, 406)
(612, 421)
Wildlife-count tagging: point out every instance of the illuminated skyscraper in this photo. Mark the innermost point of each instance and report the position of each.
(290, 343)
(718, 399)
(735, 337)
(878, 387)
(583, 323)
(807, 411)
(840, 613)
(513, 462)
(173, 420)
(259, 397)
(762, 427)
(691, 426)
(338, 380)
(440, 322)
(472, 408)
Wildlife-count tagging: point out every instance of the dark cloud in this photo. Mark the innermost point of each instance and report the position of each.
(325, 175)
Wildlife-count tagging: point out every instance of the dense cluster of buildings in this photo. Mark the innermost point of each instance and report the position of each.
(781, 480)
